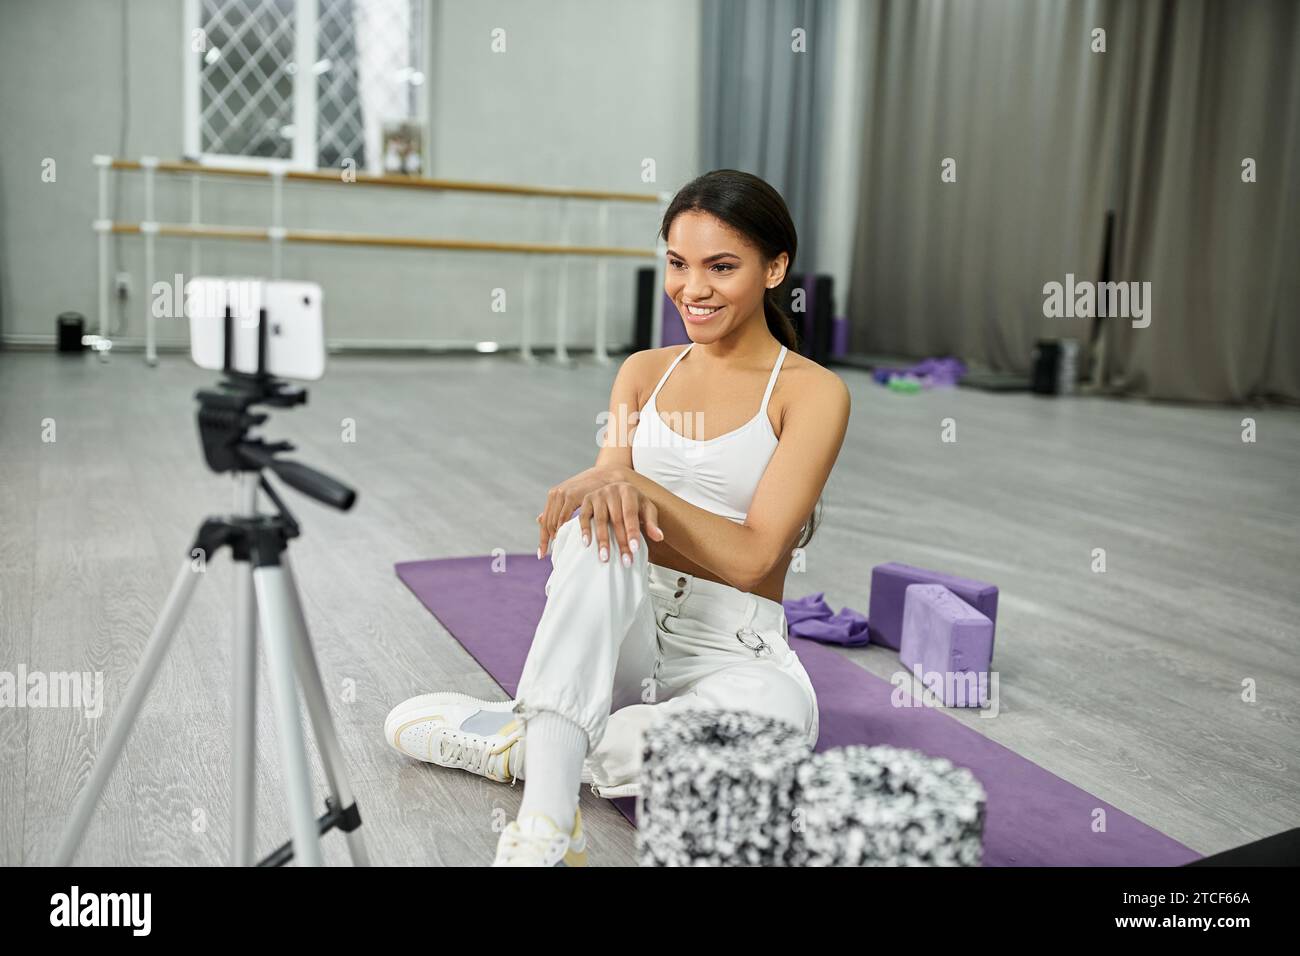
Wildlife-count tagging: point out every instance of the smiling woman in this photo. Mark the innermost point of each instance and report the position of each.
(694, 618)
(731, 244)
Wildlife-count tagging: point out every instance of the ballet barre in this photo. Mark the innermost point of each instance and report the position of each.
(277, 234)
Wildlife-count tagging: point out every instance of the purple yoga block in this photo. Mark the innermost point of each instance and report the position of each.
(950, 642)
(889, 584)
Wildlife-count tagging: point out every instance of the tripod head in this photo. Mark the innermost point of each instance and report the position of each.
(224, 419)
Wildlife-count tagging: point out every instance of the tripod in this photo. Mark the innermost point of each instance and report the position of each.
(266, 600)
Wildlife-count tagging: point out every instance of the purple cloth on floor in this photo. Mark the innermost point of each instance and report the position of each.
(889, 590)
(949, 642)
(931, 372)
(808, 607)
(810, 617)
(1034, 817)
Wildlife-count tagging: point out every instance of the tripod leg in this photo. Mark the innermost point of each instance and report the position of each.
(313, 689)
(173, 610)
(243, 690)
(276, 615)
(244, 716)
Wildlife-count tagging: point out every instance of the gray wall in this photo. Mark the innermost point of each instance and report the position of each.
(585, 92)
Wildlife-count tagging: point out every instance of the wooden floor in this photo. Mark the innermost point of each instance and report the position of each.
(1128, 683)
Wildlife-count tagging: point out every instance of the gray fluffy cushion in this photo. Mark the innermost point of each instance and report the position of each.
(733, 788)
(882, 806)
(718, 789)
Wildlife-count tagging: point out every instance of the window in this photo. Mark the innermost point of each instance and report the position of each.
(307, 82)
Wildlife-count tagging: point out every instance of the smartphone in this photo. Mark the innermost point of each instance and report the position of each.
(295, 333)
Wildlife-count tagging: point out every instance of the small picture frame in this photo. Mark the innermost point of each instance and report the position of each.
(402, 148)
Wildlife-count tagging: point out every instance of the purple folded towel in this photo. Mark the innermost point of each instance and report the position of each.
(810, 606)
(810, 617)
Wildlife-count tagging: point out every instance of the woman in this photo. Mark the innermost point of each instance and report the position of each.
(669, 556)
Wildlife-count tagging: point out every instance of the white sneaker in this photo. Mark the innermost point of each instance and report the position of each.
(456, 730)
(535, 840)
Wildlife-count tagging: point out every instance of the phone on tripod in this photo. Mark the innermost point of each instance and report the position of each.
(255, 332)
(294, 332)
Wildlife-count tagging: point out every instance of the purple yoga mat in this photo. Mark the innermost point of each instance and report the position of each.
(1035, 818)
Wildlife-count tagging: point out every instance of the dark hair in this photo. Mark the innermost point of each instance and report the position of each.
(754, 209)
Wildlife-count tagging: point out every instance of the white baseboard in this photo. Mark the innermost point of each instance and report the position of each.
(49, 341)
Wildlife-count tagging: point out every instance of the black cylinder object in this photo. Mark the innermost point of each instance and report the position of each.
(71, 326)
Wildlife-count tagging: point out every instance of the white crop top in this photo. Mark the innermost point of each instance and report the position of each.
(717, 474)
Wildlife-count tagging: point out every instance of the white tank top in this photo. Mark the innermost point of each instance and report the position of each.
(717, 474)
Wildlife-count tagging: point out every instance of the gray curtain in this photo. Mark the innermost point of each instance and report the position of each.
(1214, 83)
(763, 106)
(1047, 136)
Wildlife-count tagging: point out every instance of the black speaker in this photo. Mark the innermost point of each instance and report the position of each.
(1055, 366)
(815, 323)
(1046, 357)
(822, 332)
(645, 288)
(71, 326)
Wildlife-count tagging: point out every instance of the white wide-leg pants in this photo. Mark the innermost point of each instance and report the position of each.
(618, 647)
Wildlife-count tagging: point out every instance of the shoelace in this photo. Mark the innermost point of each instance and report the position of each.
(470, 751)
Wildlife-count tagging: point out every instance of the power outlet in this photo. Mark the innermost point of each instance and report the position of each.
(122, 286)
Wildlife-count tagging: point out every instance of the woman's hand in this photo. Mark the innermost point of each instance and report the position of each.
(568, 495)
(622, 505)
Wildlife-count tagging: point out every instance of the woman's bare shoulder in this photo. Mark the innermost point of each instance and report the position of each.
(649, 364)
(804, 383)
(641, 370)
(648, 358)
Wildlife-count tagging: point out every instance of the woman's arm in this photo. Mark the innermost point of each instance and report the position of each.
(812, 433)
(613, 459)
(624, 410)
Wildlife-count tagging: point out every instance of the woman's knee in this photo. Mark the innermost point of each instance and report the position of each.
(569, 541)
(762, 688)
